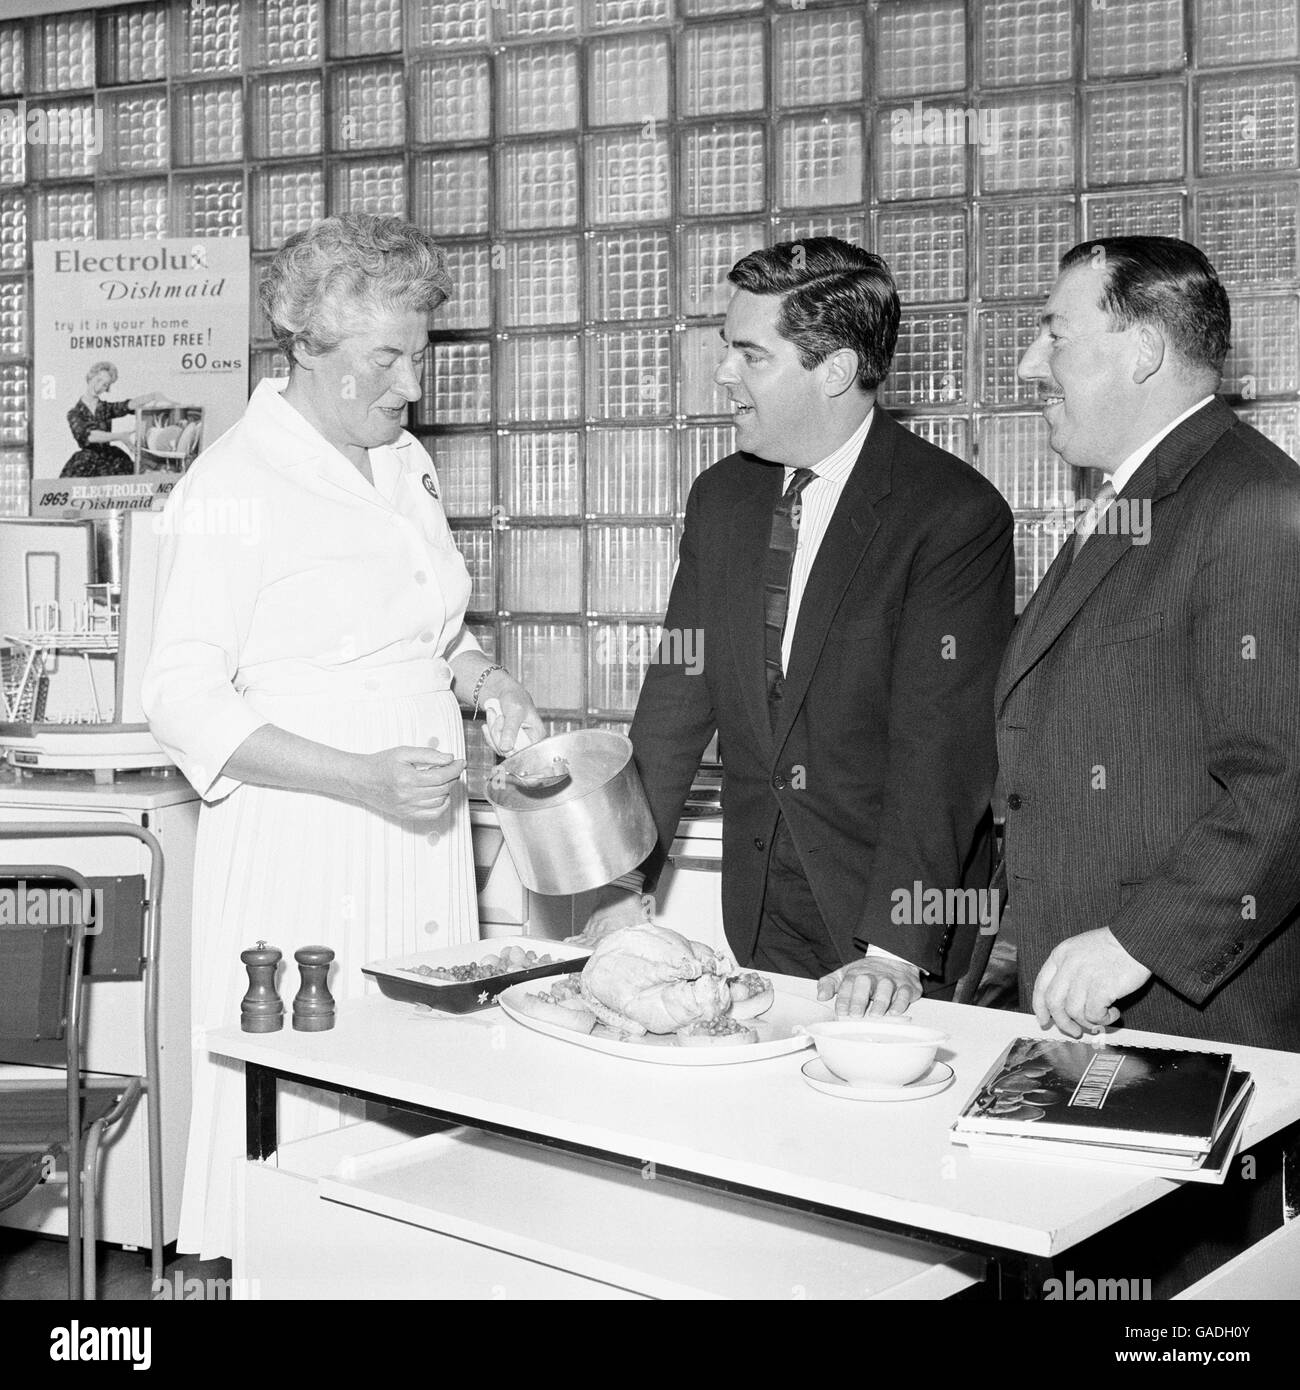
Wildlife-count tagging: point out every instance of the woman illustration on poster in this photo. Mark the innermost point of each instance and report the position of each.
(101, 451)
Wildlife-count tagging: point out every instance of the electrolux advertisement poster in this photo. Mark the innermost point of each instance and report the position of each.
(140, 361)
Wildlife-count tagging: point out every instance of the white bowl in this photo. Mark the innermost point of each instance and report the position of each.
(876, 1052)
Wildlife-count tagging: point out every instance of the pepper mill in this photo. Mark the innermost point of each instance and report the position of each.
(313, 1005)
(261, 1009)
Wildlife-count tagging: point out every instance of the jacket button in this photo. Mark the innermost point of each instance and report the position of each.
(1014, 802)
(778, 782)
(759, 844)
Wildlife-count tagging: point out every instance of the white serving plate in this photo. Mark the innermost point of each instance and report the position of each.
(775, 1029)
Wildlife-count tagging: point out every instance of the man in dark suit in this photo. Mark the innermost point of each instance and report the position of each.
(851, 686)
(1148, 708)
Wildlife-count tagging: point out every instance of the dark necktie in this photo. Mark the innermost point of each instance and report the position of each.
(776, 582)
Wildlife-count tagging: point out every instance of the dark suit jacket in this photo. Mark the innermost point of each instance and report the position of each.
(883, 757)
(1149, 738)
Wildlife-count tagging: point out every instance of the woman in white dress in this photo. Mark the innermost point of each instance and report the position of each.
(309, 667)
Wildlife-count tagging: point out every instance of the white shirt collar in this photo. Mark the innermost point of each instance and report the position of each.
(1126, 470)
(838, 464)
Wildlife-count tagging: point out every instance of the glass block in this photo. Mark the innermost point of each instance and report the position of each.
(721, 69)
(542, 569)
(630, 472)
(627, 80)
(700, 448)
(13, 231)
(266, 364)
(701, 351)
(452, 99)
(13, 405)
(1130, 36)
(209, 123)
(475, 544)
(950, 432)
(909, 166)
(62, 53)
(62, 136)
(1004, 337)
(360, 27)
(709, 7)
(470, 305)
(448, 23)
(285, 200)
(618, 655)
(630, 374)
(133, 44)
(707, 253)
(926, 250)
(1246, 31)
(486, 636)
(623, 14)
(15, 483)
(627, 178)
(1021, 243)
(13, 145)
(11, 59)
(369, 185)
(820, 160)
(540, 474)
(1135, 134)
(13, 318)
(451, 192)
(458, 391)
(539, 89)
(540, 281)
(208, 36)
(464, 464)
(1280, 423)
(133, 208)
(1249, 233)
(286, 33)
(1024, 41)
(367, 107)
(1016, 458)
(548, 658)
(1265, 355)
(930, 360)
(135, 131)
(848, 226)
(537, 185)
(819, 57)
(1030, 145)
(1121, 214)
(722, 169)
(1247, 122)
(63, 214)
(629, 568)
(523, 19)
(286, 116)
(1037, 539)
(540, 379)
(628, 276)
(208, 205)
(920, 47)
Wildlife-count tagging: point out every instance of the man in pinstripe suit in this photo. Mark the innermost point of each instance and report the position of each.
(1148, 706)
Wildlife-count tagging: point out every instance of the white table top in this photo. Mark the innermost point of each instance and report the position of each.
(758, 1124)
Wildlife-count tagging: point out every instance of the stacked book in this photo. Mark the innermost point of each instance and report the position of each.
(1178, 1114)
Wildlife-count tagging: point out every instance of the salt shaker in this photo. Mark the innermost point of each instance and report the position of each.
(261, 1010)
(313, 1005)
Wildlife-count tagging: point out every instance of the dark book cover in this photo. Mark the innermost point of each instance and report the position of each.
(1143, 1097)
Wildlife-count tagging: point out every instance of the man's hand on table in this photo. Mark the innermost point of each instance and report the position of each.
(873, 986)
(1082, 979)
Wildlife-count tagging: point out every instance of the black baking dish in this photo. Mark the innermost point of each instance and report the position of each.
(395, 980)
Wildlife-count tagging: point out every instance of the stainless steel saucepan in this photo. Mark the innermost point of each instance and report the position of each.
(572, 810)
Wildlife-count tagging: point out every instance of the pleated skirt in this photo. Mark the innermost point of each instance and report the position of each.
(295, 869)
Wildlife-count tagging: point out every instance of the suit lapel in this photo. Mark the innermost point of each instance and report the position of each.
(751, 528)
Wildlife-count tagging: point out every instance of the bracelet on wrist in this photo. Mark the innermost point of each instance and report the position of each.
(478, 684)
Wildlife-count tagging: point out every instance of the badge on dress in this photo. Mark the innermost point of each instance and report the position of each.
(429, 487)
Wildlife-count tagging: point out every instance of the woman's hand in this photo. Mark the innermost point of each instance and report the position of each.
(409, 784)
(518, 714)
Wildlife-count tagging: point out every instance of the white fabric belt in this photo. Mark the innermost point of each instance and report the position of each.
(302, 680)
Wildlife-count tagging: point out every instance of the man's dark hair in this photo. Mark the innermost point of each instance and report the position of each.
(1165, 282)
(835, 295)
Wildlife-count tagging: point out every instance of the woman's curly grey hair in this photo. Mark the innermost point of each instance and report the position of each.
(328, 282)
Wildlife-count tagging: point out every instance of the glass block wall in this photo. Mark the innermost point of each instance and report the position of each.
(595, 166)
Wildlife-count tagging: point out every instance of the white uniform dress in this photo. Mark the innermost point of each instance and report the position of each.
(292, 592)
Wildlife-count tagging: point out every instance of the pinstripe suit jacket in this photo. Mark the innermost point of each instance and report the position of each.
(1148, 714)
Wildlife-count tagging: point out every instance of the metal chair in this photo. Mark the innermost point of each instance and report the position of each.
(66, 1112)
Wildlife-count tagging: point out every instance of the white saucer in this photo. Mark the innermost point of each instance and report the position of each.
(820, 1077)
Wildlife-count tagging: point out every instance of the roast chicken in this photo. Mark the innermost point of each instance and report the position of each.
(646, 979)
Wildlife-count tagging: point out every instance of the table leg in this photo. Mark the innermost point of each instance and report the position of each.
(259, 1101)
(1291, 1173)
(1020, 1278)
